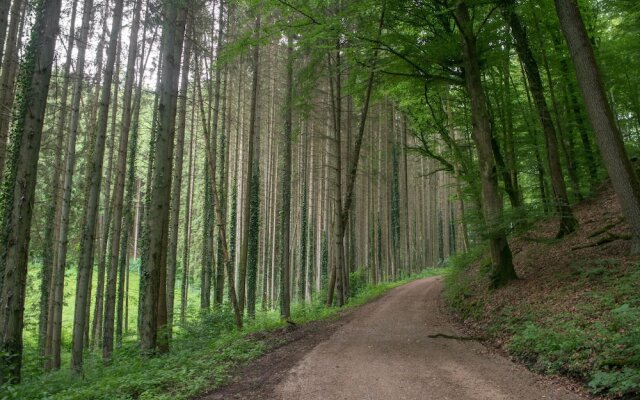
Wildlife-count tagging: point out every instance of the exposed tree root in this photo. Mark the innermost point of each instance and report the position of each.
(606, 228)
(444, 336)
(610, 238)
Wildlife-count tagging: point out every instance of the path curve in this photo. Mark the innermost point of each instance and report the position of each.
(386, 353)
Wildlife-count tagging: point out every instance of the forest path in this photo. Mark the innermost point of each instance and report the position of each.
(387, 350)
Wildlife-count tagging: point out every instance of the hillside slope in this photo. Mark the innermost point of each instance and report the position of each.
(575, 310)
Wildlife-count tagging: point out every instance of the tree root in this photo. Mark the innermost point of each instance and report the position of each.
(610, 238)
(606, 228)
(444, 336)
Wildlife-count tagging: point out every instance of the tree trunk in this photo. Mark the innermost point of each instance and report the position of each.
(337, 256)
(220, 217)
(608, 136)
(4, 20)
(343, 210)
(48, 284)
(55, 326)
(94, 181)
(502, 268)
(153, 318)
(9, 69)
(285, 284)
(172, 252)
(251, 183)
(19, 184)
(118, 189)
(568, 222)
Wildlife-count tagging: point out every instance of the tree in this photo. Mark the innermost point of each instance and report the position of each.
(54, 332)
(153, 318)
(247, 276)
(285, 271)
(568, 222)
(94, 181)
(608, 136)
(51, 289)
(502, 264)
(9, 68)
(172, 254)
(19, 183)
(118, 188)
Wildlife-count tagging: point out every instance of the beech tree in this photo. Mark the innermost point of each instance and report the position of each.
(608, 136)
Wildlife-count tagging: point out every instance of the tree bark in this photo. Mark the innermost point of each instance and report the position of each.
(285, 284)
(608, 136)
(118, 189)
(502, 268)
(153, 318)
(251, 179)
(568, 222)
(94, 181)
(48, 284)
(18, 188)
(220, 217)
(174, 218)
(54, 330)
(9, 69)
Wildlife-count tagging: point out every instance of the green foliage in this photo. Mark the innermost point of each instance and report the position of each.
(458, 290)
(357, 281)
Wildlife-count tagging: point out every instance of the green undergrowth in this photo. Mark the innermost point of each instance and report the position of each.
(202, 355)
(587, 327)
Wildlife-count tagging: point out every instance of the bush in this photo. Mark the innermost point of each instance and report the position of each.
(458, 290)
(357, 281)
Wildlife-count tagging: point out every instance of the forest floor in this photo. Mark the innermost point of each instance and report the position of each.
(575, 309)
(402, 346)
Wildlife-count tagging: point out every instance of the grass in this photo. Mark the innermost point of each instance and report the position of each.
(202, 355)
(587, 327)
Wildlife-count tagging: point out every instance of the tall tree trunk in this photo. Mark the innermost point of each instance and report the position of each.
(4, 20)
(220, 217)
(246, 206)
(54, 329)
(19, 183)
(186, 247)
(9, 69)
(501, 257)
(94, 181)
(223, 188)
(337, 256)
(344, 209)
(568, 222)
(49, 285)
(174, 219)
(608, 136)
(285, 294)
(153, 319)
(103, 251)
(118, 189)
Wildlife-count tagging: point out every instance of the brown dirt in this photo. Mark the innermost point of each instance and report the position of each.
(402, 346)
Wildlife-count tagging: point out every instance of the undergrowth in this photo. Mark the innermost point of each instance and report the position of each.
(595, 340)
(203, 354)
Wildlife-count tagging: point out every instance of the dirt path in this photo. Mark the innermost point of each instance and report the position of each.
(387, 350)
